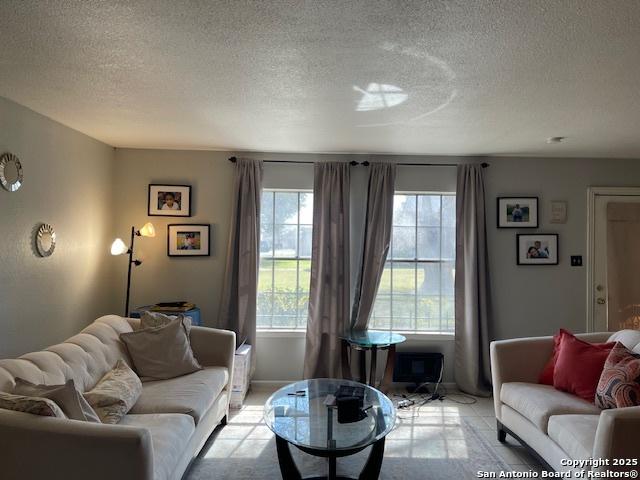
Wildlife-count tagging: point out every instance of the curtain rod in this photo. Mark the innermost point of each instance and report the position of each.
(366, 163)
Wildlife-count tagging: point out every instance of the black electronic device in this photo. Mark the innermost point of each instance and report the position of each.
(349, 401)
(418, 368)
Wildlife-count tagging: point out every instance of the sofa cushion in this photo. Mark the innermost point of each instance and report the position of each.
(170, 432)
(538, 402)
(575, 434)
(191, 394)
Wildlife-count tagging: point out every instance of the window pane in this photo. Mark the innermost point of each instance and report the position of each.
(266, 208)
(285, 276)
(428, 279)
(305, 241)
(403, 296)
(306, 208)
(285, 310)
(404, 210)
(303, 310)
(265, 279)
(287, 207)
(429, 210)
(448, 243)
(304, 275)
(286, 244)
(385, 282)
(448, 278)
(403, 242)
(429, 243)
(449, 211)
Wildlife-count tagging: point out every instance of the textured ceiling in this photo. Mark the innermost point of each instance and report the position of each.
(420, 77)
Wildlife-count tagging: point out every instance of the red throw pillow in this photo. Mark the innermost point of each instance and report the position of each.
(618, 386)
(546, 377)
(579, 365)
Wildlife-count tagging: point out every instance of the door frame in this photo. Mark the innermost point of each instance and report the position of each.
(592, 193)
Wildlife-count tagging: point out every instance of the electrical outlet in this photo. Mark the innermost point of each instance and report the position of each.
(576, 260)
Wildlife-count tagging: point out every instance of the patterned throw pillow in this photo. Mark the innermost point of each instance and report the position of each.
(618, 386)
(34, 405)
(115, 394)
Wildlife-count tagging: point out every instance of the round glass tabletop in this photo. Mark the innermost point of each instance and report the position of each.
(373, 338)
(298, 413)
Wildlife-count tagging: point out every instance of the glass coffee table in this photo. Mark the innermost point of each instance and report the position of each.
(298, 415)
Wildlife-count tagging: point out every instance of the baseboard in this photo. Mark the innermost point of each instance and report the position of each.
(270, 384)
(275, 384)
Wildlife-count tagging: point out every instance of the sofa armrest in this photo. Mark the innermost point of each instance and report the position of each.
(517, 360)
(618, 437)
(214, 347)
(44, 447)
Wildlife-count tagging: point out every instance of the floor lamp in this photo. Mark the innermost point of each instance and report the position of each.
(118, 247)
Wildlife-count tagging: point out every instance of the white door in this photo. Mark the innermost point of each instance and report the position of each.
(615, 295)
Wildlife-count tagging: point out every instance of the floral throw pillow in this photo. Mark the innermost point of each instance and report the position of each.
(618, 386)
(115, 394)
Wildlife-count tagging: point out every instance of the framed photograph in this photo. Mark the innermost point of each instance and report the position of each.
(188, 240)
(169, 201)
(517, 212)
(537, 249)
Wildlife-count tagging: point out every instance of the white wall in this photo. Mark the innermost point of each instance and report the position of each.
(67, 183)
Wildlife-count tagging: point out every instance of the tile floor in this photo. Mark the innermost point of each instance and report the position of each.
(438, 417)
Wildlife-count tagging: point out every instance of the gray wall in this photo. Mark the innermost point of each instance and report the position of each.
(526, 300)
(536, 300)
(92, 194)
(67, 183)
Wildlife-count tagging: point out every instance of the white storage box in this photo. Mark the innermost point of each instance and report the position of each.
(241, 372)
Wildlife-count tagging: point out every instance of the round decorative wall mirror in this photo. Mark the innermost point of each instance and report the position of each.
(10, 172)
(45, 240)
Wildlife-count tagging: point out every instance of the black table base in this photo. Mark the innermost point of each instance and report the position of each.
(289, 470)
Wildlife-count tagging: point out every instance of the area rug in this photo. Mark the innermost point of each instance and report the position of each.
(436, 445)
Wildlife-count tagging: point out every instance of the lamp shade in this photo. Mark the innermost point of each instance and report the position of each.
(148, 230)
(118, 247)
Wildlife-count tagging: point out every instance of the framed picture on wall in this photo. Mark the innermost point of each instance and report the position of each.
(537, 249)
(188, 240)
(517, 212)
(169, 201)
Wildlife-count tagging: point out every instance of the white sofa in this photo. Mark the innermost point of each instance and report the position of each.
(557, 426)
(157, 439)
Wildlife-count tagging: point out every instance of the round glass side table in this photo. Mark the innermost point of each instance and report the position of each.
(371, 341)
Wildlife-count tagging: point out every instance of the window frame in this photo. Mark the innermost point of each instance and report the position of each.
(414, 333)
(283, 331)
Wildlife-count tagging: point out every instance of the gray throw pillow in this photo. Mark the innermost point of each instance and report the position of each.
(163, 352)
(66, 396)
(155, 319)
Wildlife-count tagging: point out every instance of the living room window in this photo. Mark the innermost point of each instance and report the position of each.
(286, 219)
(416, 293)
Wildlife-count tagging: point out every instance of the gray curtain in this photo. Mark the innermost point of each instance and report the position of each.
(472, 366)
(329, 293)
(239, 294)
(377, 238)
